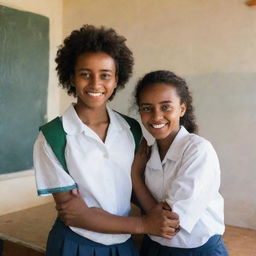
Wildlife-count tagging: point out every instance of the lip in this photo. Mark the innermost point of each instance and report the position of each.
(158, 126)
(95, 94)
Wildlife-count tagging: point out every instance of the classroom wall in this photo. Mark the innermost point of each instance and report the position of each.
(213, 45)
(17, 191)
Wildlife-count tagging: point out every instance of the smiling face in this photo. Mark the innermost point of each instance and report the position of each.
(160, 110)
(94, 79)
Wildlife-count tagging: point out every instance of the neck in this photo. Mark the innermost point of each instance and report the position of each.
(164, 144)
(92, 116)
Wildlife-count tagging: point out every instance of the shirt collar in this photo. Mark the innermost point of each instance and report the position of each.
(154, 161)
(117, 122)
(174, 152)
(177, 147)
(72, 124)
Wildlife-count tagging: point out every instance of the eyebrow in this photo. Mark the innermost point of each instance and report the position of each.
(102, 70)
(161, 102)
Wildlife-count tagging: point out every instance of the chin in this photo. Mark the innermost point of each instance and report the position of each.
(159, 136)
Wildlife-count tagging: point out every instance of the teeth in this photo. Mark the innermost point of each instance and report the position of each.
(158, 126)
(95, 94)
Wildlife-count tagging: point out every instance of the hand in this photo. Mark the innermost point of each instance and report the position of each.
(174, 215)
(160, 222)
(166, 206)
(72, 211)
(141, 157)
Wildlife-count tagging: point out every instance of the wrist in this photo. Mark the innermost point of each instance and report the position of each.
(138, 178)
(140, 227)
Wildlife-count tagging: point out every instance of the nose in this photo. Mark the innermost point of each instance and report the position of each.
(95, 81)
(156, 115)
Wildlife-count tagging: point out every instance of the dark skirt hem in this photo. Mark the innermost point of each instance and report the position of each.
(213, 247)
(62, 241)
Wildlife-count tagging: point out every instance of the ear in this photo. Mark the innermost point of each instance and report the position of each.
(183, 109)
(116, 81)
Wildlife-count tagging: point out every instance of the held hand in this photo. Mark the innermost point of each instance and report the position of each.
(71, 212)
(174, 215)
(141, 158)
(161, 222)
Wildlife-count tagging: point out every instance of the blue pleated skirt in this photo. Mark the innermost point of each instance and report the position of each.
(213, 247)
(62, 241)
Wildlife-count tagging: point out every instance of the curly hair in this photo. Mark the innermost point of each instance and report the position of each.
(168, 77)
(92, 39)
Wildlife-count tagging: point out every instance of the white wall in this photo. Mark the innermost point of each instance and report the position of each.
(17, 191)
(213, 45)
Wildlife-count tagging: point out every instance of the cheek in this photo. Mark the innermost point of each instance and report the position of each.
(143, 118)
(111, 86)
(175, 118)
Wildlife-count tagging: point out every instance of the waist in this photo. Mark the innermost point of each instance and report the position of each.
(91, 236)
(212, 242)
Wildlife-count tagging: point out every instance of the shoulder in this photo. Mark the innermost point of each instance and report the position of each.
(199, 154)
(126, 120)
(198, 144)
(52, 125)
(133, 126)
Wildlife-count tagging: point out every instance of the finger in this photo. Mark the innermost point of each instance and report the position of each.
(169, 231)
(171, 215)
(167, 236)
(166, 206)
(177, 230)
(172, 223)
(75, 192)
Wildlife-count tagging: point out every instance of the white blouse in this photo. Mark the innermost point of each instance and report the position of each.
(100, 170)
(188, 179)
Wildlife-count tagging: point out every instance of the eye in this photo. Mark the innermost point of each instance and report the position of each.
(145, 109)
(105, 76)
(166, 107)
(85, 75)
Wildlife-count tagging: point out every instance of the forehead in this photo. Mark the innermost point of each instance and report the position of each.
(95, 60)
(158, 92)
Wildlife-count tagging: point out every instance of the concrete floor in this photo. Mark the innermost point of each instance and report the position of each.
(30, 228)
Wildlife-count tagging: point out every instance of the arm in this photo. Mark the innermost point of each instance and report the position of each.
(143, 195)
(51, 178)
(74, 212)
(196, 183)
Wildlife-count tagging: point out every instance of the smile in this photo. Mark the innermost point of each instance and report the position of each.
(95, 94)
(158, 126)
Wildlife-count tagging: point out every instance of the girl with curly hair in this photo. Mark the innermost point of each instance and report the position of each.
(92, 184)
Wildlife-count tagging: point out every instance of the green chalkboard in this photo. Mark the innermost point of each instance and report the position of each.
(24, 68)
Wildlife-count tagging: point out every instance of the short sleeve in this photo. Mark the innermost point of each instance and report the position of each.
(50, 176)
(196, 184)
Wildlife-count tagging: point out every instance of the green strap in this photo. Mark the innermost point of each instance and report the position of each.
(135, 129)
(55, 135)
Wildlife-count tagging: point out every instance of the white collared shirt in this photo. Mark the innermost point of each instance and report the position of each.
(188, 179)
(100, 170)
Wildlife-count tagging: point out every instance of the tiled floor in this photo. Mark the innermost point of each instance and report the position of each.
(31, 227)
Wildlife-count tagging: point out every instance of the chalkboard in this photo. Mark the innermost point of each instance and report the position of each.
(24, 68)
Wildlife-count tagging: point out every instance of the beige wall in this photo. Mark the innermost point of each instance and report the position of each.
(18, 190)
(213, 45)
